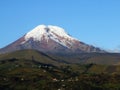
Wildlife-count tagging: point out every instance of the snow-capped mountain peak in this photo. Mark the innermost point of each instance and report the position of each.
(49, 30)
(50, 39)
(55, 33)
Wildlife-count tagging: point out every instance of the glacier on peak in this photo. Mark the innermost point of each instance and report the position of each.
(55, 33)
(48, 32)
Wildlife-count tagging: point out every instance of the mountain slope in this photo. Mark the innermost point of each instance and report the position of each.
(50, 39)
(31, 55)
(61, 59)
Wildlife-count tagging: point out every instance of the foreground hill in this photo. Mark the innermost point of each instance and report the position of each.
(57, 60)
(31, 55)
(26, 74)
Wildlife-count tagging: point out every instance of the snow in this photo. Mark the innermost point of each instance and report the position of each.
(36, 33)
(55, 33)
(59, 30)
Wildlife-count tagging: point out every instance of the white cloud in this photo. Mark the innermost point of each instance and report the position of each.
(115, 50)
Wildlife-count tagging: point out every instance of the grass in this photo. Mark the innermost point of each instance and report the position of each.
(32, 70)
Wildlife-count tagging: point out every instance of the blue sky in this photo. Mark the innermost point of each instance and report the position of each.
(95, 22)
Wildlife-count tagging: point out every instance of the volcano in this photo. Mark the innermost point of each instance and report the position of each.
(50, 39)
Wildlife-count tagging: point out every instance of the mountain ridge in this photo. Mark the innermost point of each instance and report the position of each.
(61, 59)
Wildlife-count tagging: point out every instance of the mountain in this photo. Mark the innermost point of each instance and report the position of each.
(50, 39)
(47, 58)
